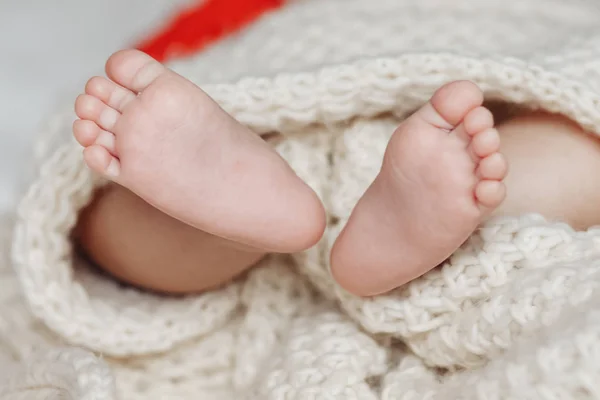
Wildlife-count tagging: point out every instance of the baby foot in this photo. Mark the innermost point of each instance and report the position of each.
(441, 176)
(162, 137)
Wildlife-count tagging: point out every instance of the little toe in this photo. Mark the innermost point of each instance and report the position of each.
(493, 167)
(85, 131)
(451, 103)
(110, 93)
(490, 193)
(101, 161)
(91, 108)
(485, 143)
(134, 69)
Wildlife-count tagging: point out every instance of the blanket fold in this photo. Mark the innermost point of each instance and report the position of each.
(512, 314)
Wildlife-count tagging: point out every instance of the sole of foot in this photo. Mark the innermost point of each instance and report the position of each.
(159, 135)
(442, 175)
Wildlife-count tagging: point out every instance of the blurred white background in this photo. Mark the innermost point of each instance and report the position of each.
(47, 51)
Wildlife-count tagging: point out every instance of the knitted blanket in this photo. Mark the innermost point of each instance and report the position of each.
(513, 314)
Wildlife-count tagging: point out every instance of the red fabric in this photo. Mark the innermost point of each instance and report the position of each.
(197, 27)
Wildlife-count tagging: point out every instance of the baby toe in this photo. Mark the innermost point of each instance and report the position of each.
(91, 108)
(490, 193)
(86, 132)
(133, 69)
(485, 143)
(101, 161)
(493, 167)
(111, 94)
(454, 100)
(108, 141)
(478, 120)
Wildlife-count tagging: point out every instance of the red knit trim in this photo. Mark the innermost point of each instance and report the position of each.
(196, 27)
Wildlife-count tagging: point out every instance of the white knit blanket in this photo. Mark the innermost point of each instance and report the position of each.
(513, 314)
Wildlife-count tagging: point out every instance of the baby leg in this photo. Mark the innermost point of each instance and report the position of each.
(553, 165)
(144, 247)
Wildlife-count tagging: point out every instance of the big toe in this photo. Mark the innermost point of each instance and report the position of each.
(451, 103)
(454, 100)
(134, 69)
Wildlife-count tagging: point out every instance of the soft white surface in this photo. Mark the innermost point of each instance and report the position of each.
(513, 315)
(48, 49)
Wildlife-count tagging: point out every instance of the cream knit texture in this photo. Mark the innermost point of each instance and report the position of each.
(513, 314)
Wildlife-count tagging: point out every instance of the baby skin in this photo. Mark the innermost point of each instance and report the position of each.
(197, 198)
